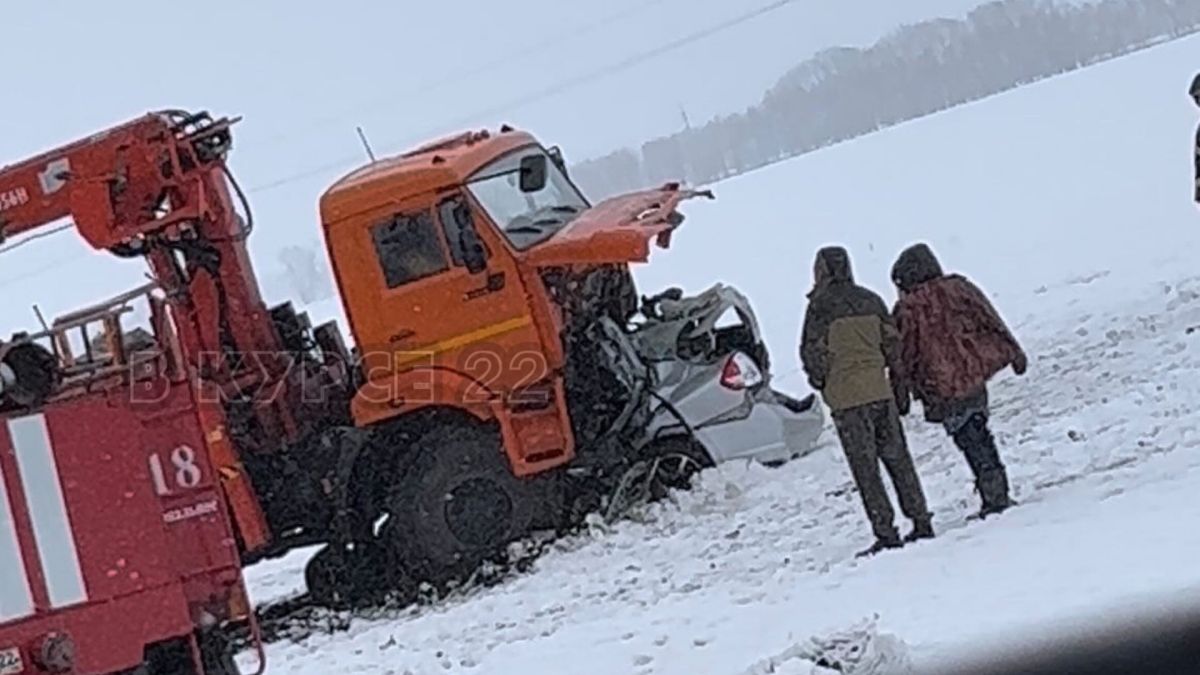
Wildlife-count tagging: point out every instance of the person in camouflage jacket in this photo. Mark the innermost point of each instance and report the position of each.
(952, 342)
(848, 344)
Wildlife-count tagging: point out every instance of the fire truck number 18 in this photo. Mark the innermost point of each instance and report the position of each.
(183, 474)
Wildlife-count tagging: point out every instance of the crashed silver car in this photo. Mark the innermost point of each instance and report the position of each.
(712, 379)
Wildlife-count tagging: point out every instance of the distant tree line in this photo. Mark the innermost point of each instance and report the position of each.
(919, 69)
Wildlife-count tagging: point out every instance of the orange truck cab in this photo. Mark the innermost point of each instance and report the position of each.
(473, 274)
(441, 255)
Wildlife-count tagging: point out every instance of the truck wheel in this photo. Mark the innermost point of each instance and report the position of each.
(175, 657)
(339, 578)
(216, 652)
(457, 504)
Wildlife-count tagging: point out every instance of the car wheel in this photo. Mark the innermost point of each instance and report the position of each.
(675, 461)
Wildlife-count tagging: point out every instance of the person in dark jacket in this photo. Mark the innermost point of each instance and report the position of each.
(848, 344)
(1195, 93)
(952, 341)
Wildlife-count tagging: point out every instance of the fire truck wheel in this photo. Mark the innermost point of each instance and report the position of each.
(216, 652)
(175, 657)
(458, 503)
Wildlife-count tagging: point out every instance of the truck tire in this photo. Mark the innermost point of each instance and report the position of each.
(216, 652)
(175, 657)
(337, 578)
(457, 504)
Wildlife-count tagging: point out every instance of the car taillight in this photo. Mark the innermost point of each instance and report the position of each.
(740, 372)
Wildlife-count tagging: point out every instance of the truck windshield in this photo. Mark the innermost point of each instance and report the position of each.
(526, 218)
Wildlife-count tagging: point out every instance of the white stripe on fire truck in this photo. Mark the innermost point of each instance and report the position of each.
(47, 510)
(16, 598)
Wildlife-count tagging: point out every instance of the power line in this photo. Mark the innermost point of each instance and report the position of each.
(32, 237)
(42, 269)
(481, 68)
(629, 62)
(551, 90)
(38, 271)
(514, 103)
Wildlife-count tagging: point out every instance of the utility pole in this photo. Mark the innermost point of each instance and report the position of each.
(687, 123)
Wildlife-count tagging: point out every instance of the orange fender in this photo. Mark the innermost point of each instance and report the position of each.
(536, 438)
(418, 388)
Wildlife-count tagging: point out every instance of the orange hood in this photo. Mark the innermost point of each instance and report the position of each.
(616, 230)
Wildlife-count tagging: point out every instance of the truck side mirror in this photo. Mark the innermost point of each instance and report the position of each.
(533, 173)
(556, 156)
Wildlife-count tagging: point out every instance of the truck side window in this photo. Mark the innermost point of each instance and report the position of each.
(408, 248)
(459, 228)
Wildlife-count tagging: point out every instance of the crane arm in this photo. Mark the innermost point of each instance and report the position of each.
(157, 187)
(136, 180)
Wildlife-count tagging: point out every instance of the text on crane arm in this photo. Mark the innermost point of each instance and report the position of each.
(11, 199)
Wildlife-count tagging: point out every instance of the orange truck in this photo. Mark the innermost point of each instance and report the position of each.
(472, 272)
(493, 389)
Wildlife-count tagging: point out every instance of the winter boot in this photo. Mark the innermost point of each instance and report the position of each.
(879, 546)
(922, 529)
(992, 510)
(993, 489)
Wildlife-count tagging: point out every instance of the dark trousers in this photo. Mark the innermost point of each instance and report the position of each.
(978, 445)
(870, 434)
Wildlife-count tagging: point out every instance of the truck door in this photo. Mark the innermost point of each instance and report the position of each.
(448, 296)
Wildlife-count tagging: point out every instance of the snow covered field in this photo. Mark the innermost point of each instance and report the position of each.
(1069, 200)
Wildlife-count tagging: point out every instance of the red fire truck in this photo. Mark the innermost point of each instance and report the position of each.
(117, 554)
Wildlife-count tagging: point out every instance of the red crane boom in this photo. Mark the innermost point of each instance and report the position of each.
(158, 187)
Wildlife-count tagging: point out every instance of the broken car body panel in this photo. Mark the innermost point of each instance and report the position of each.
(689, 346)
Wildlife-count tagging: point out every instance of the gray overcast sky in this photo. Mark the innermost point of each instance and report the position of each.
(305, 73)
